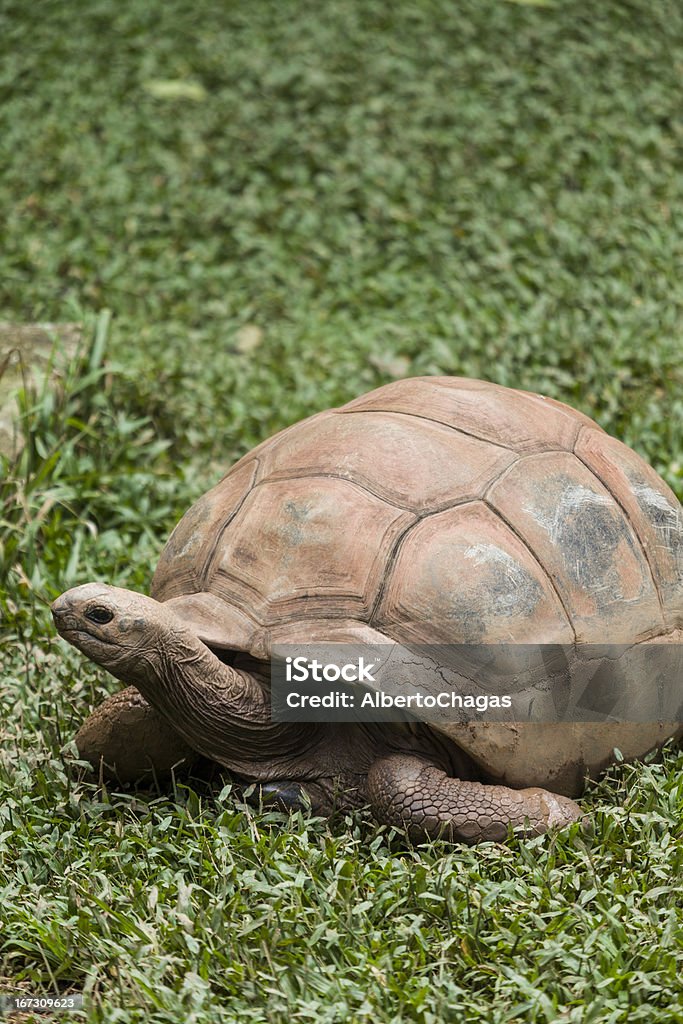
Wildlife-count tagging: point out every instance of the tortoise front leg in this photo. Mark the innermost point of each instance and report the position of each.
(130, 741)
(411, 793)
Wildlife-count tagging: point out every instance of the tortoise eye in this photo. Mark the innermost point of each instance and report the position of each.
(99, 614)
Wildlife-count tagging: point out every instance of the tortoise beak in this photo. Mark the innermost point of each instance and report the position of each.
(62, 613)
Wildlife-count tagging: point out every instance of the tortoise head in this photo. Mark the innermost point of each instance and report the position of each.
(125, 632)
(219, 711)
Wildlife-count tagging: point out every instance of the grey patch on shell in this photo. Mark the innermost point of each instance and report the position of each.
(512, 590)
(586, 528)
(466, 620)
(187, 536)
(292, 530)
(667, 520)
(573, 496)
(298, 512)
(508, 591)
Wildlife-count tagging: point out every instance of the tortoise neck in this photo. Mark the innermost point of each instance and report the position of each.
(221, 711)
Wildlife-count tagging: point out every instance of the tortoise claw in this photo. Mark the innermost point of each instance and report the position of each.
(282, 796)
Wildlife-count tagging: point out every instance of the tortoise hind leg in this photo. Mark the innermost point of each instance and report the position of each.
(411, 793)
(131, 741)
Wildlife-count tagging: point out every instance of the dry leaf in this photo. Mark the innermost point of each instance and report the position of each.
(248, 338)
(175, 89)
(393, 366)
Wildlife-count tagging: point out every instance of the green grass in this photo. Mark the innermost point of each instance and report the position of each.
(382, 189)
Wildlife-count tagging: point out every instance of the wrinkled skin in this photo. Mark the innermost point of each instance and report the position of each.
(182, 700)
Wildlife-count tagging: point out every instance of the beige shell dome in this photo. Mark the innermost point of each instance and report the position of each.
(450, 511)
(432, 510)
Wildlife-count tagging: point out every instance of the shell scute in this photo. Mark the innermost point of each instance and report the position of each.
(310, 547)
(651, 507)
(490, 412)
(462, 576)
(579, 533)
(414, 463)
(182, 563)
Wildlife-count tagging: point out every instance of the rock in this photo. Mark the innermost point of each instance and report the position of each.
(25, 351)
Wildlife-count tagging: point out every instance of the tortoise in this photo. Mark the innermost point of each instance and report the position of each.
(438, 510)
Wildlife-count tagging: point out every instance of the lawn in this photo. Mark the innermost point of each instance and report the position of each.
(256, 211)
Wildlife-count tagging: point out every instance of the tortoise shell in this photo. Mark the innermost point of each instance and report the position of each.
(432, 510)
(441, 510)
